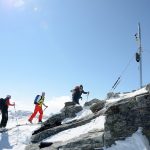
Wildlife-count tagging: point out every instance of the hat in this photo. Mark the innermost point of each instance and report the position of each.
(81, 85)
(43, 93)
(8, 96)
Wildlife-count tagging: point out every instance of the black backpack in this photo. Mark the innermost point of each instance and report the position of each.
(2, 103)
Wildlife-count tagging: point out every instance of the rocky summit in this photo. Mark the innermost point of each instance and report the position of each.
(124, 114)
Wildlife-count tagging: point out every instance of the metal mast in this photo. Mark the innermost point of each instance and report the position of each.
(140, 54)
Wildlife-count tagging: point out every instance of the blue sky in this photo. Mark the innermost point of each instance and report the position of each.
(54, 45)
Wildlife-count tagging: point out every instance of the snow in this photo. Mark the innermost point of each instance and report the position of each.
(85, 112)
(136, 142)
(127, 95)
(19, 137)
(16, 138)
(97, 123)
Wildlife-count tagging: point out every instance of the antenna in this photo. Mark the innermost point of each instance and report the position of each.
(139, 54)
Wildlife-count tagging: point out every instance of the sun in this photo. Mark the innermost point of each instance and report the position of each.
(13, 3)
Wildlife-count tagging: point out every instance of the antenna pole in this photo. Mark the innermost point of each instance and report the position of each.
(140, 53)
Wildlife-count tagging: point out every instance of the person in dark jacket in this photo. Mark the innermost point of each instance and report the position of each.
(77, 92)
(4, 111)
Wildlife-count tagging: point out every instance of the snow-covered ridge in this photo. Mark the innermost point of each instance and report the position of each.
(19, 137)
(127, 95)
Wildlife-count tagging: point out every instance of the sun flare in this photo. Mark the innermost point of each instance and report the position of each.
(13, 3)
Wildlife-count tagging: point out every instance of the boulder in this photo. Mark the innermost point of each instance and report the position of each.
(53, 121)
(70, 111)
(112, 95)
(97, 106)
(69, 104)
(125, 117)
(93, 101)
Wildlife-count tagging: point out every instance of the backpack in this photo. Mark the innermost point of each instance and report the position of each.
(37, 98)
(2, 103)
(77, 89)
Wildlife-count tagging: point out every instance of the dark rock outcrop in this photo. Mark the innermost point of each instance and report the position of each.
(148, 88)
(112, 95)
(125, 117)
(52, 122)
(69, 104)
(97, 106)
(89, 141)
(70, 111)
(90, 103)
(55, 120)
(52, 131)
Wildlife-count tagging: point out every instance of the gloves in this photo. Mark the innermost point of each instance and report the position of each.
(88, 93)
(13, 104)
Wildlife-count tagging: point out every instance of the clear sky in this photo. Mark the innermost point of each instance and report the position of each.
(54, 45)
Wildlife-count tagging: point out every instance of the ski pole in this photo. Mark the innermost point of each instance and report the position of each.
(87, 96)
(17, 125)
(16, 115)
(44, 109)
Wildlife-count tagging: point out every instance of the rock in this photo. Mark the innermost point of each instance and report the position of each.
(125, 117)
(91, 140)
(97, 106)
(91, 102)
(70, 111)
(69, 104)
(45, 144)
(112, 95)
(52, 131)
(148, 88)
(86, 141)
(55, 120)
(52, 146)
(32, 147)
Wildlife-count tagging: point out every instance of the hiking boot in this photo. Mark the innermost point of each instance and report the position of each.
(40, 121)
(30, 121)
(2, 129)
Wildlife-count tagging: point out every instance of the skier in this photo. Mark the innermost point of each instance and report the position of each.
(39, 101)
(5, 103)
(77, 92)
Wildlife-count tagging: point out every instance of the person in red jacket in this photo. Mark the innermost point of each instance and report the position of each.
(4, 111)
(38, 108)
